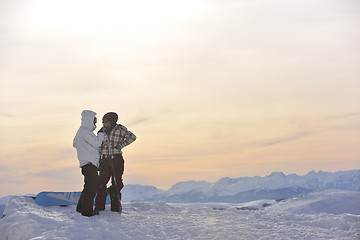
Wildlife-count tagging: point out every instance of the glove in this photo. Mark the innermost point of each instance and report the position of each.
(102, 130)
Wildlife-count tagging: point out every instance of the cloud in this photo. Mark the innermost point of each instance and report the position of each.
(12, 179)
(138, 119)
(280, 140)
(65, 175)
(9, 175)
(6, 115)
(347, 115)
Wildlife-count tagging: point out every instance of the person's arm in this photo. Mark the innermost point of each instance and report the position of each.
(94, 140)
(129, 137)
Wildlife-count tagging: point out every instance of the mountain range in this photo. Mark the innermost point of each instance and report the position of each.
(275, 186)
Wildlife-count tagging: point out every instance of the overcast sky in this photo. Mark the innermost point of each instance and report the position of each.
(210, 88)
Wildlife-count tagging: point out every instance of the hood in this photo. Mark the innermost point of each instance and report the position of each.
(87, 119)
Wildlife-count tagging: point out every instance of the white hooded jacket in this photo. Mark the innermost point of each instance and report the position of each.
(86, 142)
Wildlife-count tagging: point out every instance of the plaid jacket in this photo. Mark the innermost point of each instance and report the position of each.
(119, 138)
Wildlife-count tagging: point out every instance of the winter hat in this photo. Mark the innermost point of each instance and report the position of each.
(111, 117)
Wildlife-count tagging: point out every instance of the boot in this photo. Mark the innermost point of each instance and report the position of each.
(94, 213)
(116, 208)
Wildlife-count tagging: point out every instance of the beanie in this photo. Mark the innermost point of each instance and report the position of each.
(111, 117)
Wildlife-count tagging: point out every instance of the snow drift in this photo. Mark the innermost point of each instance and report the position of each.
(331, 214)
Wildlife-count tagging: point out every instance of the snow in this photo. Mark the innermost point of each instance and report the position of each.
(244, 189)
(183, 187)
(347, 180)
(330, 214)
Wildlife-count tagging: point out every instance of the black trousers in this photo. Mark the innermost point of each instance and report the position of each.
(114, 169)
(91, 179)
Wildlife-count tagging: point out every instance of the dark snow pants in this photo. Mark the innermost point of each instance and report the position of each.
(110, 168)
(91, 179)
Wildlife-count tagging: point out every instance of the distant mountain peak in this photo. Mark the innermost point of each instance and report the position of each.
(274, 186)
(311, 173)
(277, 174)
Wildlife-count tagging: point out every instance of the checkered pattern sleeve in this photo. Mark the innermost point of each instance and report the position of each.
(120, 138)
(128, 138)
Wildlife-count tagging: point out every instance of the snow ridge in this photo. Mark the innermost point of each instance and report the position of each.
(274, 186)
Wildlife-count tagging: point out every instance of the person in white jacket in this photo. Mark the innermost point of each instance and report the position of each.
(87, 144)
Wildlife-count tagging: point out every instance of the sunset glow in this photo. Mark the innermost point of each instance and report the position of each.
(210, 88)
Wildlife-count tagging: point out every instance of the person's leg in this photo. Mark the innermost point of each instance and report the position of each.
(105, 174)
(87, 196)
(78, 206)
(118, 164)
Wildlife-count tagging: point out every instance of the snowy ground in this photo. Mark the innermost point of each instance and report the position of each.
(331, 214)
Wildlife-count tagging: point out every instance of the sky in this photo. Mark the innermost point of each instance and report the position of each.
(211, 88)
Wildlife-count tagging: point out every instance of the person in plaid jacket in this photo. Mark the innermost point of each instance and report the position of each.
(112, 162)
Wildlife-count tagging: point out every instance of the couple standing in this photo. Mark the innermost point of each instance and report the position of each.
(103, 153)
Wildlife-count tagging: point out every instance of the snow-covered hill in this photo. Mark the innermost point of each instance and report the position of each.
(3, 203)
(330, 214)
(236, 190)
(275, 186)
